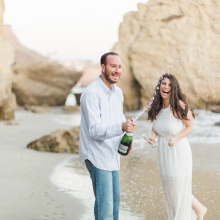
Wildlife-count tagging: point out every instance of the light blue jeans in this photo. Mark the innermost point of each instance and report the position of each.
(106, 187)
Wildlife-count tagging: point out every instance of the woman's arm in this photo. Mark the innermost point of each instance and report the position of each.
(152, 137)
(188, 127)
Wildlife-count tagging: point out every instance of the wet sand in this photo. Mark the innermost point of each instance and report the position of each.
(26, 190)
(142, 196)
(142, 192)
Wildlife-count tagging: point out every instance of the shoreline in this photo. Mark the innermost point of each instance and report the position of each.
(30, 190)
(78, 184)
(26, 190)
(144, 199)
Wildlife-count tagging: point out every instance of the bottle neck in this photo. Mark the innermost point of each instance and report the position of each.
(129, 134)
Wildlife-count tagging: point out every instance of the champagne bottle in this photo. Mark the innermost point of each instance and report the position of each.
(125, 144)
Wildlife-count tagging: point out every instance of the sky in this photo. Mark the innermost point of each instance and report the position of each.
(68, 30)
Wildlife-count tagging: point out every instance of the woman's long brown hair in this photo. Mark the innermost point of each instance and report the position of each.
(175, 96)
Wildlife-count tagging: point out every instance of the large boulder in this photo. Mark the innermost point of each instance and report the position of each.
(180, 37)
(59, 142)
(7, 98)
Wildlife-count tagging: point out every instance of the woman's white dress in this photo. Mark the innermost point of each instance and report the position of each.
(175, 166)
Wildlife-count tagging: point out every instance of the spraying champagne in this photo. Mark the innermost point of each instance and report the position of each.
(126, 141)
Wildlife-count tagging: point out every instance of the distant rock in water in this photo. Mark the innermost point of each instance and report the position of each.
(38, 109)
(217, 123)
(36, 79)
(215, 108)
(59, 141)
(7, 98)
(181, 38)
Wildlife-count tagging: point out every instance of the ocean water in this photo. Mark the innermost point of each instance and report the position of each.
(71, 177)
(205, 130)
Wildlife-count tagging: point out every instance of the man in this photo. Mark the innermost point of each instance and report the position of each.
(102, 126)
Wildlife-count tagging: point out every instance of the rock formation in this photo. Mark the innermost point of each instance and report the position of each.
(175, 36)
(22, 56)
(215, 108)
(43, 83)
(36, 80)
(90, 74)
(59, 141)
(7, 98)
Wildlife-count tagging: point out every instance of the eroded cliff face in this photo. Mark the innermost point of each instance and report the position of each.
(175, 36)
(7, 98)
(37, 80)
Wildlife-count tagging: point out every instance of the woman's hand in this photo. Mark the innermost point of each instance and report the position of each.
(151, 140)
(171, 142)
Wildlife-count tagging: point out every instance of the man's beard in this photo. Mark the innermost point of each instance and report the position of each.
(107, 77)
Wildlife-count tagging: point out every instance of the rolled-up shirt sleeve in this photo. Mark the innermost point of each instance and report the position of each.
(91, 106)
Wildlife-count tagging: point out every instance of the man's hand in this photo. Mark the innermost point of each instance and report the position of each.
(131, 149)
(129, 126)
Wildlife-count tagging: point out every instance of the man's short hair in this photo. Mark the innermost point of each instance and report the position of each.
(104, 57)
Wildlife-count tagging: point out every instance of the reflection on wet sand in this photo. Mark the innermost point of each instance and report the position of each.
(141, 188)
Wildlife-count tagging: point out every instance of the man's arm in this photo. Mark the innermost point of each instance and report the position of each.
(92, 113)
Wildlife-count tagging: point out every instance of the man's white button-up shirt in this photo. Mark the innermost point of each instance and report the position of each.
(101, 125)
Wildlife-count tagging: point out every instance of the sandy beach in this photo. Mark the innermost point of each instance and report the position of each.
(142, 196)
(26, 190)
(142, 189)
(49, 186)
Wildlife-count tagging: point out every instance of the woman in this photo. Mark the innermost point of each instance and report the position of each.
(172, 122)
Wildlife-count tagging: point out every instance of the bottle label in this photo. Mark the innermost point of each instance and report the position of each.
(123, 148)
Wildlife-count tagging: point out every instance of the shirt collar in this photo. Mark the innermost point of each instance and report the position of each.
(105, 88)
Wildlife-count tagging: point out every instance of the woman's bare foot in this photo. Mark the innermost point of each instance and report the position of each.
(202, 212)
